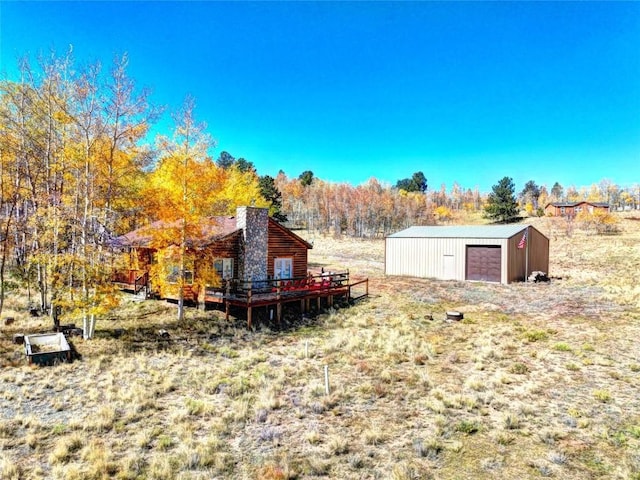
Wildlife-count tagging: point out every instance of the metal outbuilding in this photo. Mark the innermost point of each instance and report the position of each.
(490, 253)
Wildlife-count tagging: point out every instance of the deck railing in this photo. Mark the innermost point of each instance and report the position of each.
(134, 280)
(284, 286)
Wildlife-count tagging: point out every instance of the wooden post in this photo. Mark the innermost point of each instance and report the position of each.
(327, 390)
(226, 299)
(201, 297)
(278, 305)
(249, 304)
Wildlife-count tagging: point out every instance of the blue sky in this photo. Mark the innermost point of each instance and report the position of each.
(468, 92)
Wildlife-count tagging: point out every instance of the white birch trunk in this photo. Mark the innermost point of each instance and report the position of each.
(85, 327)
(92, 325)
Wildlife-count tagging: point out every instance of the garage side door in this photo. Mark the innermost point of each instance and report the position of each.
(484, 262)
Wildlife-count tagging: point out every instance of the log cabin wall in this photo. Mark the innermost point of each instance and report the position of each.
(551, 210)
(283, 243)
(568, 209)
(228, 247)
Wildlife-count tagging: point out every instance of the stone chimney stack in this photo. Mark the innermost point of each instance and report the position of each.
(254, 222)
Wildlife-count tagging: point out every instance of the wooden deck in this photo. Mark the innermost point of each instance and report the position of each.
(326, 288)
(320, 291)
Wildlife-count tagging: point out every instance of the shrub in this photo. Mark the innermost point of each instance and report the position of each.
(603, 396)
(562, 347)
(467, 426)
(532, 336)
(429, 450)
(602, 223)
(519, 368)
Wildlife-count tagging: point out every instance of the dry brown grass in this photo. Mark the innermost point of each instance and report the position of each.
(538, 380)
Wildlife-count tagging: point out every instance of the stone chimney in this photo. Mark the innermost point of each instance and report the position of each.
(254, 222)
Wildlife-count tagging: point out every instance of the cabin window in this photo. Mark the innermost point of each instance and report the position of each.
(224, 268)
(283, 268)
(578, 209)
(562, 210)
(173, 274)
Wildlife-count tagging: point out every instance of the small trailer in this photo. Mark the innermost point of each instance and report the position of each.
(47, 348)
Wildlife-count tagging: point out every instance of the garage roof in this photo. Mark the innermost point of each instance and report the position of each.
(463, 231)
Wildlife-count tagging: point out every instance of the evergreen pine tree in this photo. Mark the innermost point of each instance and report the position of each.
(271, 194)
(501, 203)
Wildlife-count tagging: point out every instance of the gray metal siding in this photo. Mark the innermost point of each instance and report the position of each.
(423, 257)
(419, 252)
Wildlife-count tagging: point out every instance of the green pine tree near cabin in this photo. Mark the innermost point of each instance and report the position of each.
(501, 204)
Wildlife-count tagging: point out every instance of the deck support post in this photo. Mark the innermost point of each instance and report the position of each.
(278, 305)
(200, 298)
(249, 304)
(226, 299)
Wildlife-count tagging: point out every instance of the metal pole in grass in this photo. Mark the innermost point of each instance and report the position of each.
(326, 380)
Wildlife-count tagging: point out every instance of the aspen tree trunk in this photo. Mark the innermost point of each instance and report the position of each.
(183, 230)
(83, 249)
(5, 236)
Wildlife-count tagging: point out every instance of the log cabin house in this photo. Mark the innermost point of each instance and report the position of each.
(571, 209)
(257, 262)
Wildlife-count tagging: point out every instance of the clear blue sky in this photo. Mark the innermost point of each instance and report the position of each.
(467, 92)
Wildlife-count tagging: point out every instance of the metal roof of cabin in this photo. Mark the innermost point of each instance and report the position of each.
(462, 231)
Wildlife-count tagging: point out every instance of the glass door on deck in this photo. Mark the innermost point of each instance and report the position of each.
(283, 268)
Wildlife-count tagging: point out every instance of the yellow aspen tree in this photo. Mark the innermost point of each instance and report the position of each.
(122, 155)
(181, 189)
(11, 179)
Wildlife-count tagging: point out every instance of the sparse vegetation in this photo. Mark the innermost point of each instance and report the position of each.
(532, 387)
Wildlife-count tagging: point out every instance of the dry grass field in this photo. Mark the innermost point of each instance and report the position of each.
(538, 380)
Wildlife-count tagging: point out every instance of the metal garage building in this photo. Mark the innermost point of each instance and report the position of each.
(490, 253)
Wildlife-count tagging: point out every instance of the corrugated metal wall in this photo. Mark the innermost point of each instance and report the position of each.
(431, 257)
(445, 258)
(538, 251)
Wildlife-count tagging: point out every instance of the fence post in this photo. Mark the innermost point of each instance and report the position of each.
(327, 390)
